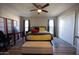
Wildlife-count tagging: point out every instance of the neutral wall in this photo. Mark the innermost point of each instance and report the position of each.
(77, 22)
(66, 25)
(22, 24)
(34, 21)
(38, 21)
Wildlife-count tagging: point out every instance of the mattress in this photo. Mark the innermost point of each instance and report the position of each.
(37, 47)
(39, 36)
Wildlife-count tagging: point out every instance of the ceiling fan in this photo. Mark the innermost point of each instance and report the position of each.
(40, 8)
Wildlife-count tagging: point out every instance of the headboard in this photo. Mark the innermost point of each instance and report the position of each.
(41, 28)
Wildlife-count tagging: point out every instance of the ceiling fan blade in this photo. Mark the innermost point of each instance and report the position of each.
(45, 11)
(45, 5)
(39, 6)
(33, 10)
(36, 5)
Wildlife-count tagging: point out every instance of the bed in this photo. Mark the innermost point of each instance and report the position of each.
(41, 35)
(37, 47)
(38, 43)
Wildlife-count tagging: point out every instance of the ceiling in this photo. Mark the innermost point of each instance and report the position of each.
(23, 9)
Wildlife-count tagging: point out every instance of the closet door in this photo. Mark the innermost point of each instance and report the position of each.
(2, 27)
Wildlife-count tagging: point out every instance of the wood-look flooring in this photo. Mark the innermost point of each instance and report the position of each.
(60, 47)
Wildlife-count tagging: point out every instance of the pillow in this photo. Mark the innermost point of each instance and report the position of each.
(35, 30)
(42, 29)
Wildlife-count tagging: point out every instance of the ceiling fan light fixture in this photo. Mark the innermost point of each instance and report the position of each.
(39, 10)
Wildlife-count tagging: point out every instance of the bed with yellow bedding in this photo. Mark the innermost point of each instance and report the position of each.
(39, 36)
(38, 43)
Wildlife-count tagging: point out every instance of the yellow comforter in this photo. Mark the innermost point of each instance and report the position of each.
(39, 36)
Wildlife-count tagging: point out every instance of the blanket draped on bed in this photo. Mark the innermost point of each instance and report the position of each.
(39, 36)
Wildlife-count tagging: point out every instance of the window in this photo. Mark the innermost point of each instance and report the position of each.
(2, 24)
(15, 26)
(15, 23)
(9, 23)
(51, 26)
(26, 25)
